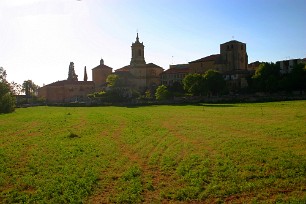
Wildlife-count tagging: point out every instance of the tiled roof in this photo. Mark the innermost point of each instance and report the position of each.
(238, 71)
(208, 58)
(124, 69)
(176, 71)
(179, 66)
(67, 82)
(128, 67)
(153, 65)
(232, 41)
(102, 66)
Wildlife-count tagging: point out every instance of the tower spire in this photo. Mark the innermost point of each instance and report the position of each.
(137, 38)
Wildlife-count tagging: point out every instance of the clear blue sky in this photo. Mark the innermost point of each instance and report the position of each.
(39, 38)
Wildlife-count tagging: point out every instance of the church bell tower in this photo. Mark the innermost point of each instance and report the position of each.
(137, 53)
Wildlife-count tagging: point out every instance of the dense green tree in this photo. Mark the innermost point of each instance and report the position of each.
(176, 89)
(7, 100)
(210, 83)
(162, 93)
(297, 77)
(266, 78)
(194, 84)
(113, 80)
(214, 82)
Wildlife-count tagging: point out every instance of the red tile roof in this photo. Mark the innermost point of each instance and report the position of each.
(176, 71)
(208, 58)
(67, 82)
(124, 69)
(153, 65)
(102, 66)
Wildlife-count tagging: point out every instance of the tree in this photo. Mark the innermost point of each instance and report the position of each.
(214, 82)
(193, 83)
(113, 80)
(7, 100)
(30, 88)
(16, 88)
(210, 83)
(176, 89)
(161, 92)
(266, 78)
(297, 77)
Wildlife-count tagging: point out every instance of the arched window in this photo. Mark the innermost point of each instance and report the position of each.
(139, 52)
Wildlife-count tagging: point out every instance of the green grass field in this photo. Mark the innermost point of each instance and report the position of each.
(232, 153)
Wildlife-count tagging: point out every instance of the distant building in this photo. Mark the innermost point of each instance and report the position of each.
(70, 90)
(139, 74)
(100, 74)
(286, 66)
(232, 63)
(233, 56)
(176, 73)
(200, 66)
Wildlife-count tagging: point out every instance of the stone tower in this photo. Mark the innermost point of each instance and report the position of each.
(234, 54)
(137, 53)
(138, 65)
(71, 73)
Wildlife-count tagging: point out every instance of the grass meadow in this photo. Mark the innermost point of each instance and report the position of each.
(206, 153)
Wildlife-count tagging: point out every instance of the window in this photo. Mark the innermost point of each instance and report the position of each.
(232, 46)
(241, 47)
(139, 52)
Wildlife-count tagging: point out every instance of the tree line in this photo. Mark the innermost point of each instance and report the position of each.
(267, 79)
(9, 91)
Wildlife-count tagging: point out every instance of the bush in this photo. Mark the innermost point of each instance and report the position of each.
(162, 93)
(7, 103)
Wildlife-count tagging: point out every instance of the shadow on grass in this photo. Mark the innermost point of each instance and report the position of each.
(218, 105)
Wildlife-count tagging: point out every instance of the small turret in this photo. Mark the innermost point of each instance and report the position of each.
(101, 62)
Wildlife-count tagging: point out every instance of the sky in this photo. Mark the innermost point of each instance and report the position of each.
(39, 38)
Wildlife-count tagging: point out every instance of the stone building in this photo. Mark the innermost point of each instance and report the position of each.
(286, 66)
(232, 62)
(233, 56)
(100, 74)
(70, 90)
(175, 74)
(139, 74)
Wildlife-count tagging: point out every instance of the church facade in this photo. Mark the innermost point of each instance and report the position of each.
(138, 74)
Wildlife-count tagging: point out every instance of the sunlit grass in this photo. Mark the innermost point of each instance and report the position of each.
(209, 153)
